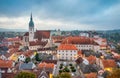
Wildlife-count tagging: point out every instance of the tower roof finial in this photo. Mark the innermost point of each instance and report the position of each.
(31, 16)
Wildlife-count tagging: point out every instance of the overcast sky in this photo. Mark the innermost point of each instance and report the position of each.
(61, 14)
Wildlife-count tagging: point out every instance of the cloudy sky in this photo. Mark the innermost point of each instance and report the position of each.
(61, 14)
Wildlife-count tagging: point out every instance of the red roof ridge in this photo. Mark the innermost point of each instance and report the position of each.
(67, 47)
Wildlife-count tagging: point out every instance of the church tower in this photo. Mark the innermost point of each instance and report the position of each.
(31, 29)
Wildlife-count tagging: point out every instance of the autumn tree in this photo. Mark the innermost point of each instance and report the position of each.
(114, 74)
(25, 75)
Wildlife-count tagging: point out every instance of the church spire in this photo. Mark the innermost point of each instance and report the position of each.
(31, 23)
(31, 17)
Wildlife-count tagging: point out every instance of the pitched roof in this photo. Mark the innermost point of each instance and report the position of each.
(34, 43)
(26, 66)
(91, 75)
(38, 42)
(91, 59)
(26, 34)
(42, 34)
(13, 39)
(6, 63)
(50, 61)
(79, 53)
(67, 47)
(46, 65)
(109, 63)
(43, 74)
(13, 50)
(79, 40)
(39, 34)
(28, 53)
(58, 37)
(79, 60)
(103, 45)
(117, 57)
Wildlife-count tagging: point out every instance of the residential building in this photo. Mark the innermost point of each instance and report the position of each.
(67, 52)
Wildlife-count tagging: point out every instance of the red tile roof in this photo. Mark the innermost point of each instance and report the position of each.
(38, 42)
(91, 59)
(103, 45)
(6, 63)
(79, 53)
(79, 40)
(91, 75)
(117, 57)
(104, 40)
(42, 34)
(34, 43)
(39, 34)
(67, 47)
(28, 53)
(109, 63)
(46, 65)
(13, 50)
(13, 39)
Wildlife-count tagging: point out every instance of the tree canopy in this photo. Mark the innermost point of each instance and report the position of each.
(27, 60)
(114, 74)
(63, 75)
(25, 75)
(37, 58)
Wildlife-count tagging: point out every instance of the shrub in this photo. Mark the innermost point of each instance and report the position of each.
(70, 65)
(73, 70)
(61, 67)
(60, 71)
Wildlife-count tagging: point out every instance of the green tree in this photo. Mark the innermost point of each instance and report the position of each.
(115, 73)
(73, 70)
(66, 69)
(27, 60)
(25, 75)
(60, 71)
(37, 58)
(63, 75)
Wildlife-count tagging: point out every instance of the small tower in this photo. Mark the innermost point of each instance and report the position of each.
(31, 29)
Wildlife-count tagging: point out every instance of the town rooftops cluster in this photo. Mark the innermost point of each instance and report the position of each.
(78, 40)
(67, 47)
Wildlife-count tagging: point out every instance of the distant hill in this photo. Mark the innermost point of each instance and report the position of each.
(12, 30)
(114, 31)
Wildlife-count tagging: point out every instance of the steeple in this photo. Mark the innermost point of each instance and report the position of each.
(31, 17)
(31, 29)
(31, 23)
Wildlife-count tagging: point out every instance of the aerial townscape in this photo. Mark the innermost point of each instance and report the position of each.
(59, 38)
(57, 54)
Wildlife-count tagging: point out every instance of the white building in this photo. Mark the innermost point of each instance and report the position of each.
(67, 52)
(85, 34)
